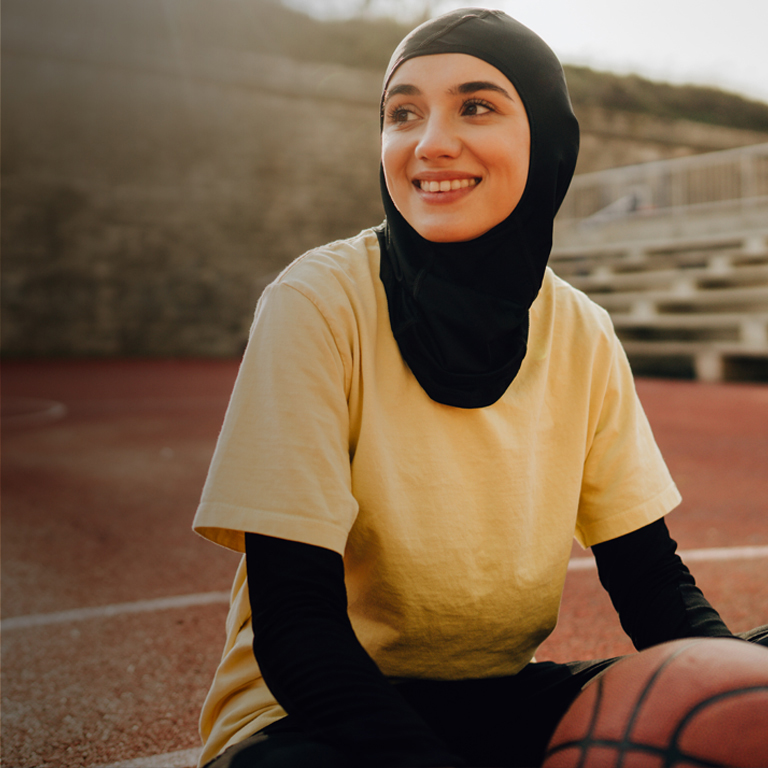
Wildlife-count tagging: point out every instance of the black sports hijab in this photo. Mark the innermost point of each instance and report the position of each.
(459, 311)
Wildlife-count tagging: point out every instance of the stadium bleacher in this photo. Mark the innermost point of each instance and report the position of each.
(686, 284)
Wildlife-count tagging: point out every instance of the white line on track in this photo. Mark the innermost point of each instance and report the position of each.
(714, 554)
(106, 611)
(188, 758)
(185, 758)
(31, 411)
(724, 553)
(206, 598)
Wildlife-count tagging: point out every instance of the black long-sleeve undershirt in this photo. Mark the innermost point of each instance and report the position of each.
(321, 675)
(651, 589)
(315, 666)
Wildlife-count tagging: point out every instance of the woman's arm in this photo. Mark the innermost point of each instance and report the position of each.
(315, 666)
(653, 592)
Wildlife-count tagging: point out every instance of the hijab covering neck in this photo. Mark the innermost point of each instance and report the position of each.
(459, 311)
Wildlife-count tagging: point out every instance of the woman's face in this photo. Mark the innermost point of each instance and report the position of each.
(455, 146)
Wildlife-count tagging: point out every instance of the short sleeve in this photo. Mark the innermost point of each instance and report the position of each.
(281, 466)
(626, 483)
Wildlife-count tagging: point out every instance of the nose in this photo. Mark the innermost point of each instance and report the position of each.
(438, 138)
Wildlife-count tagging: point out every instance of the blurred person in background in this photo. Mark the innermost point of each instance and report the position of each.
(424, 418)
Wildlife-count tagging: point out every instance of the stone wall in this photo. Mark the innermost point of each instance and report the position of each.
(610, 138)
(150, 190)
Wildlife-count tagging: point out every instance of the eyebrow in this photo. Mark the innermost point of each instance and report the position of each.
(482, 85)
(405, 90)
(470, 87)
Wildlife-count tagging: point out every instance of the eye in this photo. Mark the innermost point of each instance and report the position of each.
(476, 107)
(400, 115)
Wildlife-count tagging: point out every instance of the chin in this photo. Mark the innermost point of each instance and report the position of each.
(448, 235)
(451, 228)
(444, 230)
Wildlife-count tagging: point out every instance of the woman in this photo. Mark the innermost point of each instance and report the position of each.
(424, 418)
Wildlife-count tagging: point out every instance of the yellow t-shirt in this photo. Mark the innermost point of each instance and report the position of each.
(455, 525)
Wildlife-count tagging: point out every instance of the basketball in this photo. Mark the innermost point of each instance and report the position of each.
(684, 704)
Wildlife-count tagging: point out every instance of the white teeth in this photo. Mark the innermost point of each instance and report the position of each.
(447, 185)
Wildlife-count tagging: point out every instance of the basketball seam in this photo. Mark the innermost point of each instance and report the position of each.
(593, 722)
(625, 747)
(674, 742)
(588, 740)
(626, 739)
(671, 754)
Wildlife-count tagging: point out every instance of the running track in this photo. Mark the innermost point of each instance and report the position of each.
(113, 610)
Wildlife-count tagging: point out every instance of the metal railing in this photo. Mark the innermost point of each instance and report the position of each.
(731, 176)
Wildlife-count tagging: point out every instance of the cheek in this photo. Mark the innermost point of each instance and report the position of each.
(393, 162)
(386, 159)
(515, 160)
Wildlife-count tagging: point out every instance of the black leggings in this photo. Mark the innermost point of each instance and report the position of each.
(504, 721)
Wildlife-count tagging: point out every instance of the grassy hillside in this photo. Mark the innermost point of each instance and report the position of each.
(266, 26)
(369, 44)
(689, 102)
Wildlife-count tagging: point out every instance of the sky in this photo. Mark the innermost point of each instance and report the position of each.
(721, 43)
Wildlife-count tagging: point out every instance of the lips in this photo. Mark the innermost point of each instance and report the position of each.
(444, 185)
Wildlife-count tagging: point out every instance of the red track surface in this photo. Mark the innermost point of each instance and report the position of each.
(98, 504)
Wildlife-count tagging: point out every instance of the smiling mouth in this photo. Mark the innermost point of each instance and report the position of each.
(447, 185)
